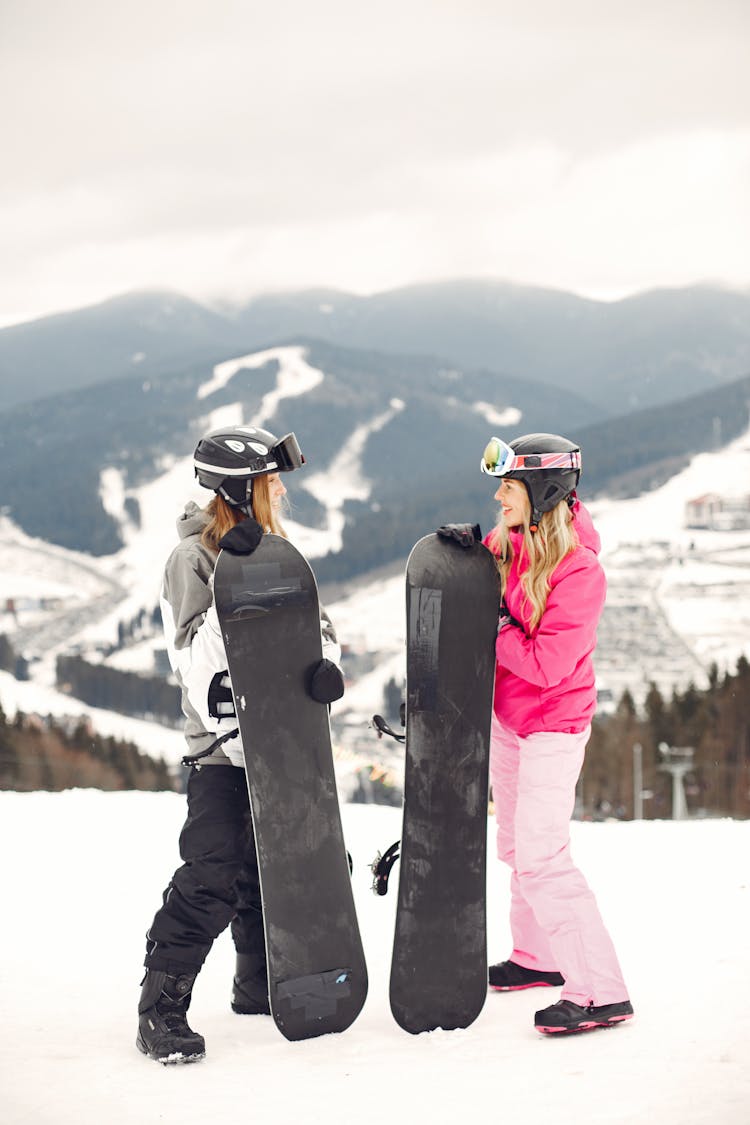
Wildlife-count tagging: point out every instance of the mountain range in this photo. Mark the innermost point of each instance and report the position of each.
(123, 385)
(644, 350)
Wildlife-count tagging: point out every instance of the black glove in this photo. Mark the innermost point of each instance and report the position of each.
(506, 618)
(467, 534)
(220, 698)
(326, 682)
(243, 538)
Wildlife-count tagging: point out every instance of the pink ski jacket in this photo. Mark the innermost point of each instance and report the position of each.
(545, 680)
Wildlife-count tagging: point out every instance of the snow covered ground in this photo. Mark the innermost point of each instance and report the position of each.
(82, 875)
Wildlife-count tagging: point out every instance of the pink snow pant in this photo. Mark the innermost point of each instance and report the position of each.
(555, 922)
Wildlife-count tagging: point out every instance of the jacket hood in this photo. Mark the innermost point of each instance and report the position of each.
(588, 536)
(192, 521)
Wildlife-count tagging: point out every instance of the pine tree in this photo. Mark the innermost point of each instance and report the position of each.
(9, 763)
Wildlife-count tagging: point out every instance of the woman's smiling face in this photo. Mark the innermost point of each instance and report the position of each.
(514, 500)
(276, 490)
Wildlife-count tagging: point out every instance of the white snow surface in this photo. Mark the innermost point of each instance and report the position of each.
(511, 416)
(83, 875)
(343, 480)
(296, 376)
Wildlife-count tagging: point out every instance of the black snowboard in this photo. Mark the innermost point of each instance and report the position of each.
(269, 612)
(439, 966)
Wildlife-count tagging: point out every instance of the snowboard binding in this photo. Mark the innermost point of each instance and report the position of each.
(381, 727)
(381, 868)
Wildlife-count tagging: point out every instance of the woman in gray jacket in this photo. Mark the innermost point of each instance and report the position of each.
(217, 884)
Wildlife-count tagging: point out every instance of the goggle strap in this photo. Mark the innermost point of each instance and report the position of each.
(571, 460)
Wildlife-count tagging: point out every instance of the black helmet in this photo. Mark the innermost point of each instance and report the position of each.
(548, 465)
(227, 459)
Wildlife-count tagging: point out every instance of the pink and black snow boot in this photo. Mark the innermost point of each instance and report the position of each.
(510, 977)
(565, 1017)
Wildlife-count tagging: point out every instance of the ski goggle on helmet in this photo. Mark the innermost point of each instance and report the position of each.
(229, 459)
(499, 459)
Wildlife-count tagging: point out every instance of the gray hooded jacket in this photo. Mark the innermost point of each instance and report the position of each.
(193, 637)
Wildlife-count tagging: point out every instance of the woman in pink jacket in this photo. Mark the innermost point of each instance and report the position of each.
(553, 594)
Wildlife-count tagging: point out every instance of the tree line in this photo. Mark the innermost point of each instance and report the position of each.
(112, 689)
(55, 754)
(714, 723)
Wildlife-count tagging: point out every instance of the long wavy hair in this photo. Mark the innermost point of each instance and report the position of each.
(222, 517)
(545, 548)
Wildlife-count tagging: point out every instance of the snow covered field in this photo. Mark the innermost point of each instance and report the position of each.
(82, 875)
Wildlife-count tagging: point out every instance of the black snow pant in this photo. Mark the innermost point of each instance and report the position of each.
(217, 884)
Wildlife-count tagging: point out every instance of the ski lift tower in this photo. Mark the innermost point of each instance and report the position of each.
(677, 760)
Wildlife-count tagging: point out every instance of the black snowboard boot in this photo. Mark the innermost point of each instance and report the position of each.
(566, 1017)
(163, 1031)
(250, 986)
(510, 977)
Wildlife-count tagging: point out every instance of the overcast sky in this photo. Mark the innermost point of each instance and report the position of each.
(224, 148)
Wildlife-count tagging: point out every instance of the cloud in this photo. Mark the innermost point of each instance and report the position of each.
(596, 146)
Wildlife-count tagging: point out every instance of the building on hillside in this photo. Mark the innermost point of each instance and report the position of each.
(712, 512)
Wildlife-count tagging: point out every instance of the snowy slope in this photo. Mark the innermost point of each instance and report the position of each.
(678, 599)
(687, 590)
(87, 874)
(33, 697)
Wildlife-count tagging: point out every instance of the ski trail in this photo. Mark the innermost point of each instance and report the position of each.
(296, 376)
(342, 480)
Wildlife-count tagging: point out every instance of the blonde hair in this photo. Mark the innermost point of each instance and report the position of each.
(223, 517)
(545, 548)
